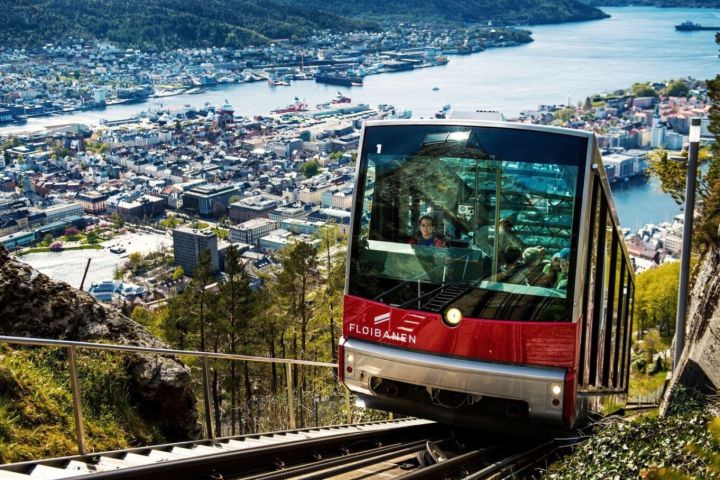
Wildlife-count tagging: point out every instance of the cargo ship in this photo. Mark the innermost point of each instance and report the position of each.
(689, 26)
(296, 106)
(339, 79)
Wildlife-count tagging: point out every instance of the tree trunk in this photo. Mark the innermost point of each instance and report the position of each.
(273, 368)
(233, 398)
(249, 396)
(216, 401)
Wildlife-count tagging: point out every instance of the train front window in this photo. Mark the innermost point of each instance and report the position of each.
(477, 218)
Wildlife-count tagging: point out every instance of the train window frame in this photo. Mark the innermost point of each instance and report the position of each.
(598, 293)
(589, 284)
(414, 210)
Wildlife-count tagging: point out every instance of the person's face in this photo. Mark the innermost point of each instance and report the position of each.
(564, 266)
(426, 228)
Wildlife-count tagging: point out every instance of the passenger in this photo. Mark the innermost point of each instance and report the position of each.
(427, 236)
(532, 274)
(506, 236)
(511, 266)
(557, 270)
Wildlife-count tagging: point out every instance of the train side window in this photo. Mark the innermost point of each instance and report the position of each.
(606, 302)
(590, 285)
(611, 303)
(598, 302)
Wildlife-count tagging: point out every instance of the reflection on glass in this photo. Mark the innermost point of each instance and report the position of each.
(500, 204)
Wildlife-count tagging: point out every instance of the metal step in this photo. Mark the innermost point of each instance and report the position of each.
(85, 465)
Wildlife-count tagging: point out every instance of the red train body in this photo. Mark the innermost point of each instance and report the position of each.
(447, 332)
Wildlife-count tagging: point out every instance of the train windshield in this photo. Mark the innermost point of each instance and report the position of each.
(478, 218)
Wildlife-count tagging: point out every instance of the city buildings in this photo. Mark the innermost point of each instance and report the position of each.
(188, 243)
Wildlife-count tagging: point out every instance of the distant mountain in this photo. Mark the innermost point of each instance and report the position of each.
(655, 3)
(162, 23)
(527, 12)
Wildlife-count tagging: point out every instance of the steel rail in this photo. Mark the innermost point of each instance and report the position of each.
(522, 459)
(343, 464)
(256, 461)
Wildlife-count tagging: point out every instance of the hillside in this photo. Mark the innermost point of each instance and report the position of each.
(655, 3)
(511, 12)
(202, 23)
(161, 23)
(128, 399)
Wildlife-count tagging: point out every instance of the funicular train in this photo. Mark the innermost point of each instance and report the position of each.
(515, 310)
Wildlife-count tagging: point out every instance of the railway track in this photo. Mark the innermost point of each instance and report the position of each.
(408, 449)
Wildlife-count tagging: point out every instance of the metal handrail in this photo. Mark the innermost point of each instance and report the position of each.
(72, 347)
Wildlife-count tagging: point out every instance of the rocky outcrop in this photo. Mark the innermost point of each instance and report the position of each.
(33, 305)
(699, 365)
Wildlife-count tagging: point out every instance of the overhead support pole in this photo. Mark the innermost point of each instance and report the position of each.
(693, 149)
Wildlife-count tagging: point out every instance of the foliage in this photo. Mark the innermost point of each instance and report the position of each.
(178, 273)
(311, 168)
(171, 222)
(672, 173)
(164, 24)
(655, 3)
(117, 220)
(72, 233)
(677, 88)
(136, 261)
(36, 419)
(643, 90)
(656, 292)
(564, 114)
(458, 11)
(91, 237)
(152, 320)
(623, 449)
(707, 231)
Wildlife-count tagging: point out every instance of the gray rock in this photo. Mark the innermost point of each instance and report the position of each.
(33, 305)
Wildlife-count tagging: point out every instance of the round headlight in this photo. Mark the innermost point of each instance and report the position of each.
(452, 317)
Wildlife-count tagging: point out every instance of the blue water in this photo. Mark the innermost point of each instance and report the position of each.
(565, 62)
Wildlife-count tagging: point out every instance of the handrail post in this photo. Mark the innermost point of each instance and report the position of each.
(347, 406)
(291, 395)
(77, 402)
(206, 389)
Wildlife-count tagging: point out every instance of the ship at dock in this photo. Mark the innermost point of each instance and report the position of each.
(341, 79)
(689, 26)
(296, 106)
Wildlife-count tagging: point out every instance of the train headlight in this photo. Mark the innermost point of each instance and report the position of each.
(452, 317)
(556, 389)
(349, 364)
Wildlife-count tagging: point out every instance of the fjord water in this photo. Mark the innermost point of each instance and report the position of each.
(572, 60)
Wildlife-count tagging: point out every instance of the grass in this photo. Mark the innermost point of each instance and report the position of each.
(171, 222)
(645, 385)
(36, 417)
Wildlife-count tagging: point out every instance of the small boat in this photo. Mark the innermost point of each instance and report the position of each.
(117, 249)
(340, 98)
(435, 89)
